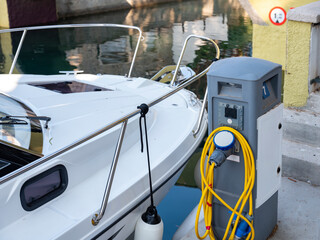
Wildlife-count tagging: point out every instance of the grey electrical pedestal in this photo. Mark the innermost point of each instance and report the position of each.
(245, 93)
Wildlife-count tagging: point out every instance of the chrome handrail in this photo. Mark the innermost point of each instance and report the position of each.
(17, 52)
(178, 66)
(25, 29)
(123, 120)
(98, 132)
(195, 133)
(184, 49)
(97, 217)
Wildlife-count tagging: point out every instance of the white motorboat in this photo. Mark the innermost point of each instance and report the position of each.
(71, 165)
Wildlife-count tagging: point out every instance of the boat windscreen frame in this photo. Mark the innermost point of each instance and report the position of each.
(36, 143)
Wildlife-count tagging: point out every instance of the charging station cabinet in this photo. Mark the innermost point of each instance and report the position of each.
(245, 93)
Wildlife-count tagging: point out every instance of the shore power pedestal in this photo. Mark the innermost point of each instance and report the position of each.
(245, 93)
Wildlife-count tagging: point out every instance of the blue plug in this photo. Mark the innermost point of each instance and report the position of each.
(243, 228)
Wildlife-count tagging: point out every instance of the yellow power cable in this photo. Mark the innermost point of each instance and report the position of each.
(208, 193)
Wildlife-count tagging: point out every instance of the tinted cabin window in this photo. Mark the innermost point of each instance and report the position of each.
(70, 87)
(44, 187)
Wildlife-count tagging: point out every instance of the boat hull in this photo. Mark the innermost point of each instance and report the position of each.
(170, 126)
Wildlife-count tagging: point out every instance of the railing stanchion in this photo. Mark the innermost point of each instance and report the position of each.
(96, 218)
(18, 51)
(201, 113)
(184, 49)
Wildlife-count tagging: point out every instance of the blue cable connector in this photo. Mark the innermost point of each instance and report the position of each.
(243, 229)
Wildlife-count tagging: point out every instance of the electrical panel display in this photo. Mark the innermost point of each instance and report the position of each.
(230, 115)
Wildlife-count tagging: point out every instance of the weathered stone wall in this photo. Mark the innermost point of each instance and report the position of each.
(68, 8)
(19, 13)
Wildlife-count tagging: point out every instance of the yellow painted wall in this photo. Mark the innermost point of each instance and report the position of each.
(288, 45)
(269, 42)
(263, 7)
(296, 90)
(4, 17)
(6, 48)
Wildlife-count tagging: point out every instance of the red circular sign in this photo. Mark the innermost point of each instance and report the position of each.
(277, 16)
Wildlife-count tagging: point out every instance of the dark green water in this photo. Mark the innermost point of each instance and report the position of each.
(104, 51)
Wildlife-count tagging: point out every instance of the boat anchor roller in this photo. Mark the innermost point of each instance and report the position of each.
(240, 165)
(149, 225)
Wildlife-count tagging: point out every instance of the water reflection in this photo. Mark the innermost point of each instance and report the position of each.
(165, 28)
(42, 52)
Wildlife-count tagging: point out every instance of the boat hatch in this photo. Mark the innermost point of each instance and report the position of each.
(70, 87)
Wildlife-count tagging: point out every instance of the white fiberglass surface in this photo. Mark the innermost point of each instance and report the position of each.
(88, 169)
(171, 142)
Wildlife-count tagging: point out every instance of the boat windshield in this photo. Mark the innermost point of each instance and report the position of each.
(16, 127)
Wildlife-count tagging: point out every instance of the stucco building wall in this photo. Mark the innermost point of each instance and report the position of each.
(297, 66)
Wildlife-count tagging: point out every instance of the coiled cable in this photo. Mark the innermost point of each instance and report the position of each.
(208, 192)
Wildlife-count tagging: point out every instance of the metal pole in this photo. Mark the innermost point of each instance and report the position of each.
(184, 49)
(17, 52)
(97, 217)
(179, 61)
(135, 54)
(201, 113)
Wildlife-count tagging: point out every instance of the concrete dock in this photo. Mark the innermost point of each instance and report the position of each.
(298, 212)
(301, 141)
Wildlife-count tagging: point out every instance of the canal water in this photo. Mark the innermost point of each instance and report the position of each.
(104, 51)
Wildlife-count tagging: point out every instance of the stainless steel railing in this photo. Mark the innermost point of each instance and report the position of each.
(100, 131)
(184, 49)
(26, 29)
(97, 217)
(205, 98)
(178, 66)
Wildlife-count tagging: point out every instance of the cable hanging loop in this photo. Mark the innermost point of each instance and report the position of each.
(144, 108)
